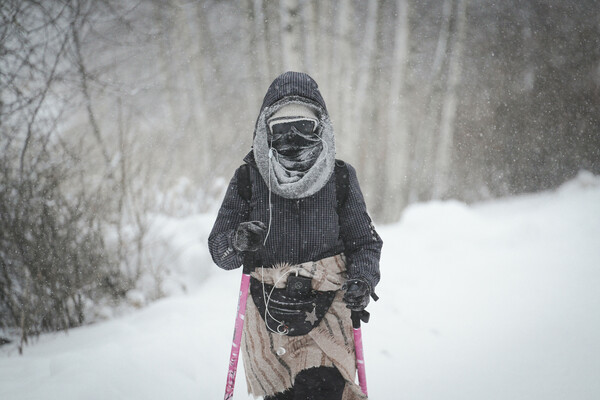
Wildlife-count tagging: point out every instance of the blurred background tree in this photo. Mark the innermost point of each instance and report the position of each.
(465, 99)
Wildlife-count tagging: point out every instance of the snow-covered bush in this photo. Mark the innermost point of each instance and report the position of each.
(53, 260)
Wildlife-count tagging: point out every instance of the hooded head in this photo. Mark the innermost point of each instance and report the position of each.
(295, 166)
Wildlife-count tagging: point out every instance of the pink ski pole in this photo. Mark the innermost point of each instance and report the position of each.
(237, 334)
(356, 316)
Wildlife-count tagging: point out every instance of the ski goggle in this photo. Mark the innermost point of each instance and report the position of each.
(283, 125)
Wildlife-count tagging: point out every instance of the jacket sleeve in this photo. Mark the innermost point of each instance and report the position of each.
(234, 210)
(361, 241)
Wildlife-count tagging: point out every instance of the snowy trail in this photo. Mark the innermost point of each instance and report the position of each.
(494, 301)
(497, 301)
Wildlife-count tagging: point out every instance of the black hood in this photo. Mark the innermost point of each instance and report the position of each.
(294, 88)
(293, 84)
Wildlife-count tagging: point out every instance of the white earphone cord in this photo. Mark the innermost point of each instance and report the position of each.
(267, 299)
(270, 204)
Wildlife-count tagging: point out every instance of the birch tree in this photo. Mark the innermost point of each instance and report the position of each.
(363, 79)
(397, 144)
(309, 35)
(423, 143)
(261, 68)
(443, 162)
(291, 38)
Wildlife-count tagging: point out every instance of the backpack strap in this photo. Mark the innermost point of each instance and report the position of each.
(342, 184)
(244, 187)
(244, 184)
(342, 187)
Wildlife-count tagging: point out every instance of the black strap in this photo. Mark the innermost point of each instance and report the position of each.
(244, 184)
(244, 188)
(342, 183)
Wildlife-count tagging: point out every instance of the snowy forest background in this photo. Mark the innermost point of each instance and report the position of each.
(114, 114)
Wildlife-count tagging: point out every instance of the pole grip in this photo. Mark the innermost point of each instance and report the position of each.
(357, 316)
(250, 262)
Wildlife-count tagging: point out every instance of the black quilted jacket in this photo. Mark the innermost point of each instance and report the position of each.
(305, 228)
(302, 230)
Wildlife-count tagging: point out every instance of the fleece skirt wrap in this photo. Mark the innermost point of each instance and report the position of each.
(272, 361)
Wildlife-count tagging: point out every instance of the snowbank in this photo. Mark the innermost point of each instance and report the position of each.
(494, 301)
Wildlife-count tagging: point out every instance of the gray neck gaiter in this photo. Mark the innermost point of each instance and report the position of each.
(300, 165)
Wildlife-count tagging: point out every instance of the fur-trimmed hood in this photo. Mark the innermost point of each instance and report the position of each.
(289, 88)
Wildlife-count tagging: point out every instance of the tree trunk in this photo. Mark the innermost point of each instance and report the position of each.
(422, 160)
(272, 13)
(308, 36)
(325, 10)
(364, 79)
(263, 69)
(446, 141)
(190, 81)
(291, 40)
(343, 51)
(396, 150)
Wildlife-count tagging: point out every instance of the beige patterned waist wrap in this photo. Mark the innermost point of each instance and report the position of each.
(272, 361)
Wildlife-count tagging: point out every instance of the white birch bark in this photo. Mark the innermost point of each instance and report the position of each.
(448, 116)
(272, 32)
(424, 144)
(167, 72)
(343, 97)
(325, 46)
(255, 61)
(265, 72)
(291, 39)
(308, 36)
(397, 149)
(364, 79)
(190, 80)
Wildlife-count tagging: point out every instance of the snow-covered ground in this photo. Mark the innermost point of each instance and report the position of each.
(499, 300)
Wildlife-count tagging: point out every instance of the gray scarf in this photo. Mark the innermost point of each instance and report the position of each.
(300, 172)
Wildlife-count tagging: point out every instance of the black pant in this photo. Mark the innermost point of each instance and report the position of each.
(319, 383)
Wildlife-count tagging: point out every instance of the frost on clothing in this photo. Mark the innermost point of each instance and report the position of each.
(306, 229)
(291, 172)
(302, 213)
(275, 362)
(295, 140)
(294, 90)
(282, 181)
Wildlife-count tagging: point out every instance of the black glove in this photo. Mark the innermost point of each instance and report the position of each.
(249, 236)
(357, 294)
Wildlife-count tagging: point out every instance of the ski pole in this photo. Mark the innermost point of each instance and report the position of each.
(237, 332)
(356, 317)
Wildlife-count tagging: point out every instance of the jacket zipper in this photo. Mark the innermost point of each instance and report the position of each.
(300, 241)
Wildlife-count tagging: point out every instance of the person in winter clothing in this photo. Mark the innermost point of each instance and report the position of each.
(315, 253)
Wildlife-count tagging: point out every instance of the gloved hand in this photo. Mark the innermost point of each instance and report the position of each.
(357, 294)
(249, 236)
